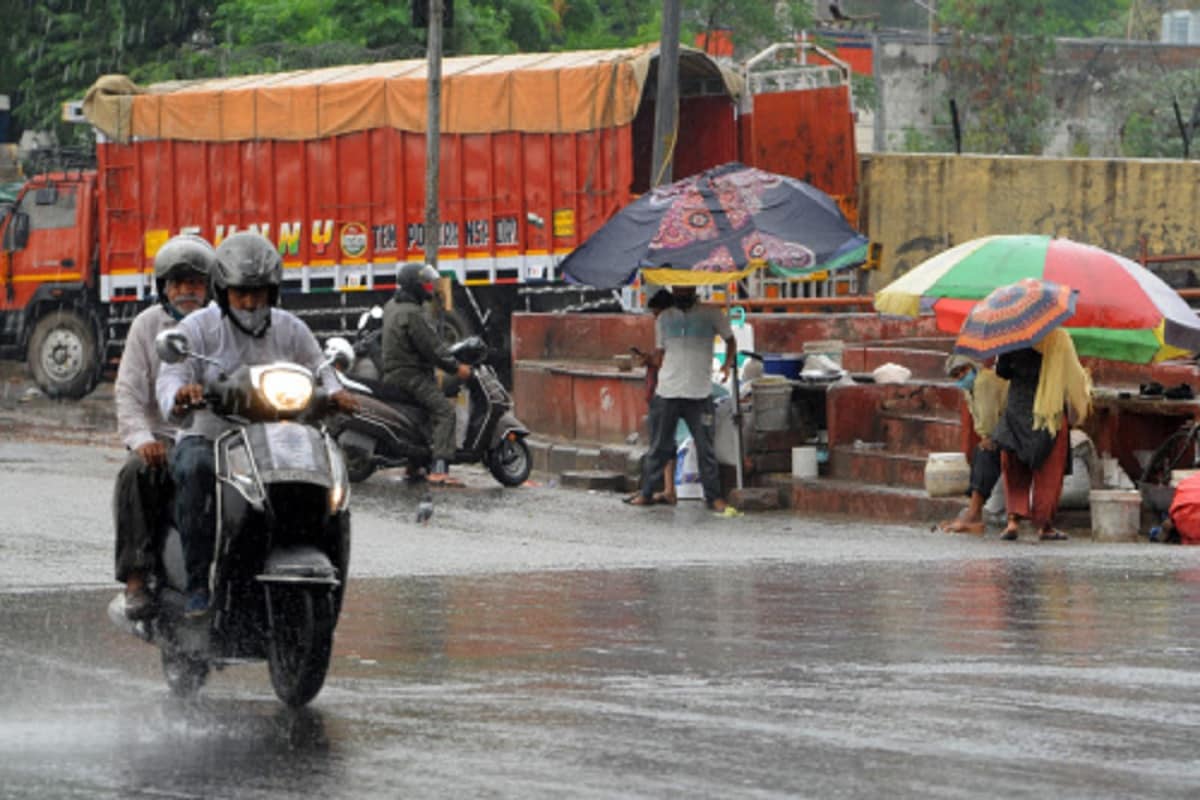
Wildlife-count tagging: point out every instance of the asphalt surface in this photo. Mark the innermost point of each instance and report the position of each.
(543, 642)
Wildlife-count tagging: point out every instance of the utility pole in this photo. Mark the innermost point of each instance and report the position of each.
(666, 103)
(433, 131)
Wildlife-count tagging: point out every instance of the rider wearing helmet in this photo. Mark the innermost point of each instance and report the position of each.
(411, 350)
(244, 327)
(181, 272)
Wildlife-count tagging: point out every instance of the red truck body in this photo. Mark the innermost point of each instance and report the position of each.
(345, 208)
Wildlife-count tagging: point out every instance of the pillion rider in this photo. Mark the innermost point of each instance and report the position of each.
(411, 350)
(242, 328)
(142, 492)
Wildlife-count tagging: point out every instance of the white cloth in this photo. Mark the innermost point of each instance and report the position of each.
(211, 334)
(139, 420)
(686, 339)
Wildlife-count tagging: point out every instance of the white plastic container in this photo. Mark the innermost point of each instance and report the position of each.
(947, 474)
(804, 462)
(1116, 514)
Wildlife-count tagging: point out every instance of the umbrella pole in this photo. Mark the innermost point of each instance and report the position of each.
(737, 399)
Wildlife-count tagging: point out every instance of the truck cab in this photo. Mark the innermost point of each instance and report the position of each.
(47, 282)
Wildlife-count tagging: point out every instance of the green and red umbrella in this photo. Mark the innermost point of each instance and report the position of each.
(1123, 311)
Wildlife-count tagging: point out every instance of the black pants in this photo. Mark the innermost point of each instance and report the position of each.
(985, 471)
(194, 471)
(141, 502)
(426, 393)
(665, 413)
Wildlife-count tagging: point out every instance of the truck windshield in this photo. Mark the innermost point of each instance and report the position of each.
(60, 214)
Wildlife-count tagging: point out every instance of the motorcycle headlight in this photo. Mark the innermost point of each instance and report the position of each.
(284, 387)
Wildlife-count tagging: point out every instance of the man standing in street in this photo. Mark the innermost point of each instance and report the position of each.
(683, 338)
(181, 271)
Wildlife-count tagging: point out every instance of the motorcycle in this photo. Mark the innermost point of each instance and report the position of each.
(390, 431)
(282, 542)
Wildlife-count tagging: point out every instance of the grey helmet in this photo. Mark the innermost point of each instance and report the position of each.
(416, 281)
(246, 260)
(182, 255)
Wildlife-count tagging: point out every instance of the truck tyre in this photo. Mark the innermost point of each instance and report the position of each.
(453, 327)
(63, 355)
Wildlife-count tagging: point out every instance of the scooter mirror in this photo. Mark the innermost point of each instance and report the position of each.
(339, 352)
(171, 346)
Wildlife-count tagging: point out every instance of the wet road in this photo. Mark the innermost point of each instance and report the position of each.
(544, 642)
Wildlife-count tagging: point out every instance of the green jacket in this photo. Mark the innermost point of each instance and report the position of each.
(411, 347)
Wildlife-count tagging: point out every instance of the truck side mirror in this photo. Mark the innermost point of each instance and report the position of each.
(16, 235)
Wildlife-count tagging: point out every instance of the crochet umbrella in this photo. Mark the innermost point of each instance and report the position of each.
(1124, 312)
(1014, 317)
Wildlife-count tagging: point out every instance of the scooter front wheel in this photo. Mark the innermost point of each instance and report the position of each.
(359, 465)
(302, 622)
(185, 674)
(509, 462)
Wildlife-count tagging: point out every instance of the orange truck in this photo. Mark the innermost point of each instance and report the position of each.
(537, 152)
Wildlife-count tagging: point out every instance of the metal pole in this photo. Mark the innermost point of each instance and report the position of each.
(433, 131)
(666, 103)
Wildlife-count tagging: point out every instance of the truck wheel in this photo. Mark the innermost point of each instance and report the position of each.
(454, 327)
(63, 355)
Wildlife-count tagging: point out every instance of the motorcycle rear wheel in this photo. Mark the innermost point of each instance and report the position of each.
(509, 462)
(185, 675)
(301, 643)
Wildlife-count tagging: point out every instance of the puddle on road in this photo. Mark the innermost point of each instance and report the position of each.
(974, 675)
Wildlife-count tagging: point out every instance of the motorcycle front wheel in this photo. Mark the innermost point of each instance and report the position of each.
(185, 675)
(301, 642)
(509, 462)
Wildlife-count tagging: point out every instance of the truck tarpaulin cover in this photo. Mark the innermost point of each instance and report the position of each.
(530, 92)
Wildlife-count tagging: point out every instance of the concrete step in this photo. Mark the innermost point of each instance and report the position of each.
(914, 433)
(882, 467)
(869, 501)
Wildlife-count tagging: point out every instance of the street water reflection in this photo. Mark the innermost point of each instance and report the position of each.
(1008, 676)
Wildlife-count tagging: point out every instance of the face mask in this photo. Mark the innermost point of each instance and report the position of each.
(966, 382)
(252, 322)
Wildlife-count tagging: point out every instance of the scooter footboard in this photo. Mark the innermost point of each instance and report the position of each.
(299, 565)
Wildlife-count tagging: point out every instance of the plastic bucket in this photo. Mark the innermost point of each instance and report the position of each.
(1116, 514)
(787, 365)
(947, 474)
(804, 462)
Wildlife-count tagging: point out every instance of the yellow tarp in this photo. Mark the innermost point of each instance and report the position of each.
(531, 92)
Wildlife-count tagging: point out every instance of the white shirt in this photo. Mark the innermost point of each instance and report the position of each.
(211, 334)
(139, 420)
(686, 339)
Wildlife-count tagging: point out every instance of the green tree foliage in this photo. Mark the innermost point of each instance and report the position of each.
(994, 70)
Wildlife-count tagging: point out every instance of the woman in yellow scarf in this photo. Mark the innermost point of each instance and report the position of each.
(1046, 384)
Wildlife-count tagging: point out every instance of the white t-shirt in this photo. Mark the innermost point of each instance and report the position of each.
(686, 338)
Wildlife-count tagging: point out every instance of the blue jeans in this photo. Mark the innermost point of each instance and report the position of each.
(665, 413)
(194, 471)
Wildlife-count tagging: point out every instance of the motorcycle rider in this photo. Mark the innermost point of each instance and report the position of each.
(244, 327)
(411, 350)
(143, 488)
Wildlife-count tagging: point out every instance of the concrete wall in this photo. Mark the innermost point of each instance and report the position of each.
(918, 205)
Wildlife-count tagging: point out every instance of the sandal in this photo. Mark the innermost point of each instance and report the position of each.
(663, 499)
(1053, 535)
(638, 500)
(1009, 535)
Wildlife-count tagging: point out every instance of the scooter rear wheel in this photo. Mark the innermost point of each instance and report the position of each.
(301, 642)
(185, 675)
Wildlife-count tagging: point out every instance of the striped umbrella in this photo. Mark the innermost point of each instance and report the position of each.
(1124, 312)
(1014, 317)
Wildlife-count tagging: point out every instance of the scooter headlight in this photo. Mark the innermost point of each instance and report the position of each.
(284, 387)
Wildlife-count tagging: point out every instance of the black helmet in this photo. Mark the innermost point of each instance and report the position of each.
(416, 280)
(246, 260)
(182, 255)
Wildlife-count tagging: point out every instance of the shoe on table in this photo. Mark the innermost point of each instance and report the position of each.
(139, 604)
(197, 604)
